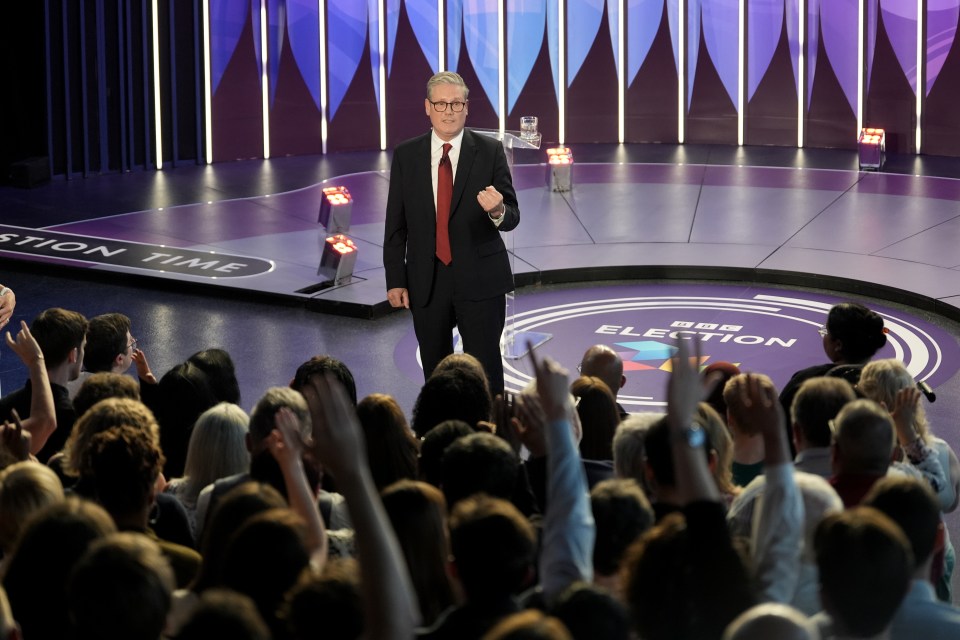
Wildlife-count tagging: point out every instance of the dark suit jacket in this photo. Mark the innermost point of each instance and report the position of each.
(480, 261)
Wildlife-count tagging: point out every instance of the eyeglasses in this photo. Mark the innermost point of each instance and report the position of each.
(822, 330)
(133, 345)
(440, 106)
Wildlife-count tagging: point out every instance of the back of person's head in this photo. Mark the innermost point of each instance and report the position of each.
(479, 463)
(818, 401)
(112, 412)
(418, 514)
(25, 488)
(217, 446)
(859, 330)
(183, 394)
(660, 453)
(882, 380)
(864, 438)
(865, 565)
(603, 362)
(120, 589)
(722, 372)
(58, 332)
(221, 373)
(664, 592)
(221, 613)
(323, 365)
(622, 513)
(720, 445)
(591, 612)
(106, 339)
(263, 416)
(434, 444)
(597, 408)
(230, 512)
(125, 463)
(453, 394)
(629, 453)
(528, 625)
(49, 546)
(101, 386)
(327, 606)
(463, 362)
(734, 395)
(493, 547)
(264, 558)
(911, 504)
(771, 620)
(391, 448)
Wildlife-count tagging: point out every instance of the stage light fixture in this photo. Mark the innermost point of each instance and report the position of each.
(338, 259)
(336, 209)
(559, 169)
(872, 148)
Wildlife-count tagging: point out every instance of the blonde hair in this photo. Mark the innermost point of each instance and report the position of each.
(881, 380)
(735, 407)
(721, 442)
(25, 487)
(218, 447)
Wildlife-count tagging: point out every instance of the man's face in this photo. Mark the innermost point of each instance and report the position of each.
(126, 358)
(447, 124)
(78, 364)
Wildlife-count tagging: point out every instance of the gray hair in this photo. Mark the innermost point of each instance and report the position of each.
(629, 452)
(447, 77)
(217, 447)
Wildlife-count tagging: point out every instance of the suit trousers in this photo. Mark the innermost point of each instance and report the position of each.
(480, 323)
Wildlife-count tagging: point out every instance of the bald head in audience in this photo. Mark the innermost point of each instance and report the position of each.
(600, 361)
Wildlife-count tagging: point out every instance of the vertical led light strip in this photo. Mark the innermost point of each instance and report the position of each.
(264, 89)
(621, 71)
(741, 61)
(322, 25)
(381, 42)
(921, 85)
(801, 85)
(441, 37)
(501, 65)
(561, 70)
(155, 19)
(681, 63)
(207, 86)
(860, 20)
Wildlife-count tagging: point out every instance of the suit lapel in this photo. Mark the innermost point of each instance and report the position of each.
(467, 155)
(423, 179)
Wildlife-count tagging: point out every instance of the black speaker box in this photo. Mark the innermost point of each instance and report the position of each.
(30, 172)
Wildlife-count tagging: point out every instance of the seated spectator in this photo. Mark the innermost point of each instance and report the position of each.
(771, 620)
(391, 448)
(589, 611)
(629, 452)
(221, 373)
(120, 590)
(434, 444)
(328, 605)
(226, 614)
(529, 625)
(601, 361)
(109, 348)
(747, 440)
(599, 417)
(56, 339)
(479, 463)
(217, 450)
(721, 372)
(323, 365)
(418, 513)
(125, 464)
(464, 362)
(622, 513)
(100, 386)
(453, 394)
(816, 404)
(914, 508)
(865, 565)
(49, 547)
(25, 487)
(721, 454)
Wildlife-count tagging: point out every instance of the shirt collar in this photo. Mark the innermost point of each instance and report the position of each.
(437, 143)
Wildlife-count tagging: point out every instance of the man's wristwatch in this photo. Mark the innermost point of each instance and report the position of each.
(693, 436)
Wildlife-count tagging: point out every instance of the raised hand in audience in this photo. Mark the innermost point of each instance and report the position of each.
(143, 367)
(14, 441)
(43, 417)
(763, 412)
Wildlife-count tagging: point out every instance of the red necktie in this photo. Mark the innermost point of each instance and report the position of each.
(444, 196)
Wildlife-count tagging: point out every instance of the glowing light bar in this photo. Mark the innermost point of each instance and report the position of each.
(860, 20)
(381, 40)
(561, 72)
(264, 88)
(501, 67)
(441, 37)
(321, 13)
(621, 71)
(681, 63)
(801, 85)
(158, 136)
(207, 91)
(741, 62)
(921, 85)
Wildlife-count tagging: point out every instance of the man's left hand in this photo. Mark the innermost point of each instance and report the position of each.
(491, 201)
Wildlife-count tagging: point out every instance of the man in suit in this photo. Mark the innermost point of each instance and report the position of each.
(451, 194)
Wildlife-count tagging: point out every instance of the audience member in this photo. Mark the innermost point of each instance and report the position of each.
(622, 513)
(391, 448)
(9, 629)
(222, 613)
(589, 611)
(56, 339)
(221, 373)
(769, 621)
(816, 404)
(323, 365)
(100, 386)
(109, 348)
(721, 450)
(328, 605)
(529, 625)
(464, 362)
(25, 487)
(434, 444)
(629, 452)
(721, 372)
(601, 361)
(747, 440)
(452, 394)
(477, 463)
(599, 417)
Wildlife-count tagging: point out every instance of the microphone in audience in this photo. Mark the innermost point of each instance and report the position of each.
(927, 391)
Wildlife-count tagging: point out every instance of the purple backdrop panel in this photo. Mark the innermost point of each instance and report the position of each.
(237, 111)
(411, 65)
(293, 42)
(354, 117)
(591, 109)
(651, 100)
(831, 58)
(476, 57)
(890, 101)
(530, 79)
(771, 111)
(941, 128)
(712, 71)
